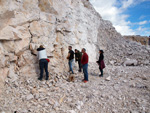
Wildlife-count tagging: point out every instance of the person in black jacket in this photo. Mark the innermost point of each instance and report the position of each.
(101, 62)
(70, 57)
(78, 56)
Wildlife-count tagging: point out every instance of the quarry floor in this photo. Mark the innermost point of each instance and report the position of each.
(121, 90)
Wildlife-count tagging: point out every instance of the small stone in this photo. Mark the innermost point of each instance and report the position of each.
(42, 90)
(51, 102)
(3, 112)
(71, 111)
(29, 97)
(33, 91)
(56, 104)
(125, 81)
(108, 78)
(130, 62)
(36, 96)
(61, 99)
(46, 105)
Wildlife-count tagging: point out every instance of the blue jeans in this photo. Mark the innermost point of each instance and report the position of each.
(43, 65)
(85, 71)
(70, 65)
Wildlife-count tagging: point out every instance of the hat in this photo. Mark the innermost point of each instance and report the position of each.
(101, 51)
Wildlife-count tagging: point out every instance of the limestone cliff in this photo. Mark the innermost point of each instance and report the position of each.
(26, 24)
(56, 24)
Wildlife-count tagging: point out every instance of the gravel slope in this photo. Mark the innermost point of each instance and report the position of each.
(127, 91)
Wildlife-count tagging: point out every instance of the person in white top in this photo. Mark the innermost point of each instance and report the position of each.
(43, 63)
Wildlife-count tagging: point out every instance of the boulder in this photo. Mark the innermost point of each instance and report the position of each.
(11, 74)
(3, 75)
(47, 17)
(29, 97)
(130, 62)
(20, 45)
(12, 58)
(9, 33)
(108, 78)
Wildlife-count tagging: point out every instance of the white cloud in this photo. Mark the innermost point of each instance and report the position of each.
(109, 11)
(113, 10)
(143, 31)
(140, 23)
(143, 22)
(127, 3)
(142, 17)
(125, 30)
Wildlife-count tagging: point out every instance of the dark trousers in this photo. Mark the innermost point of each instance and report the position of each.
(85, 71)
(43, 66)
(80, 66)
(101, 70)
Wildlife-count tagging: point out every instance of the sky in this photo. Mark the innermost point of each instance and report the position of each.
(129, 17)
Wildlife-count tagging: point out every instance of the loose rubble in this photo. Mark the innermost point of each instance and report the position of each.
(26, 24)
(127, 91)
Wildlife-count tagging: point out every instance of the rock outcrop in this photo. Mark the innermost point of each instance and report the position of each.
(56, 24)
(26, 24)
(144, 40)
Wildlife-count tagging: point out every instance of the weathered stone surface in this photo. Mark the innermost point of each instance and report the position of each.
(32, 23)
(50, 18)
(12, 75)
(144, 40)
(18, 45)
(29, 97)
(108, 78)
(13, 58)
(127, 87)
(2, 61)
(56, 24)
(130, 62)
(3, 75)
(9, 33)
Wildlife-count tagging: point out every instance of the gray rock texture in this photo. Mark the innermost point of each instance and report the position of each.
(56, 24)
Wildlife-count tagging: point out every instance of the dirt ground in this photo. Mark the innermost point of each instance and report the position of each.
(126, 91)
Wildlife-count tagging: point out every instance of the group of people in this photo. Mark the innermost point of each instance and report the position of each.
(80, 57)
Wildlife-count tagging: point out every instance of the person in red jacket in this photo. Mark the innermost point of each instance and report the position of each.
(84, 62)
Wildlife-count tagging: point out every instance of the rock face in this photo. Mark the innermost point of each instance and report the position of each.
(26, 24)
(144, 40)
(56, 24)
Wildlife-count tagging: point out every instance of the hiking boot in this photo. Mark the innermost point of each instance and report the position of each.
(79, 70)
(85, 81)
(100, 75)
(46, 79)
(40, 79)
(71, 72)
